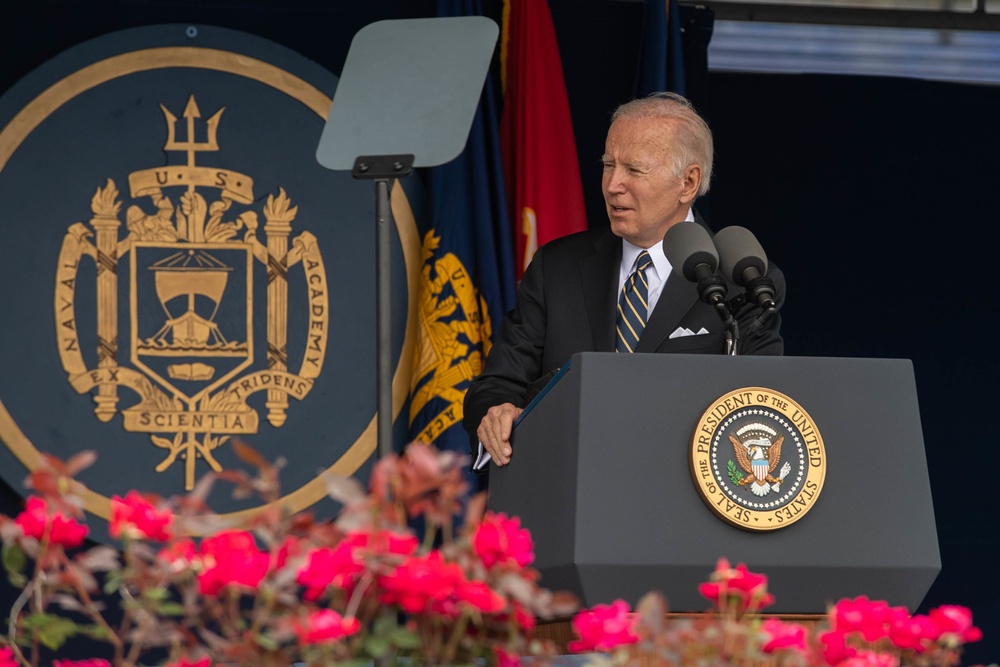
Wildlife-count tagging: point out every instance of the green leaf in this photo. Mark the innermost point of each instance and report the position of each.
(112, 582)
(266, 643)
(170, 609)
(376, 646)
(156, 594)
(52, 631)
(14, 559)
(357, 662)
(98, 632)
(735, 476)
(385, 624)
(404, 639)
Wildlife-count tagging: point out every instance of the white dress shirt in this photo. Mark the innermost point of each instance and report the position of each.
(656, 276)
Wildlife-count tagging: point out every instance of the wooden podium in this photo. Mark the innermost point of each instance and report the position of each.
(601, 477)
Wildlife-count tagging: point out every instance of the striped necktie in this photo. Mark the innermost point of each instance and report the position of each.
(632, 309)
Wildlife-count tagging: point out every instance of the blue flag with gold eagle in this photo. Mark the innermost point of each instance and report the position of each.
(467, 280)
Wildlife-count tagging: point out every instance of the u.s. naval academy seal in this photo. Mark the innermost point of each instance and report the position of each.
(757, 459)
(187, 274)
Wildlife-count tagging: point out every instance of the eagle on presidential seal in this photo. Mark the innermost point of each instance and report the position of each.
(758, 452)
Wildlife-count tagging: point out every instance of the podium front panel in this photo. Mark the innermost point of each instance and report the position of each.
(601, 476)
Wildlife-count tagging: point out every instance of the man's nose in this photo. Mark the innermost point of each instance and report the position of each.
(615, 182)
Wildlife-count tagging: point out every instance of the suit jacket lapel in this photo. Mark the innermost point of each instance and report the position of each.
(599, 275)
(676, 299)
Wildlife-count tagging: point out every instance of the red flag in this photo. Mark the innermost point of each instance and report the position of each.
(539, 151)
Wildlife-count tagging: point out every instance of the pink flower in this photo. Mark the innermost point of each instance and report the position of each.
(231, 557)
(872, 618)
(420, 581)
(325, 625)
(913, 632)
(186, 662)
(955, 622)
(63, 530)
(604, 627)
(784, 636)
(500, 540)
(329, 567)
(94, 662)
(505, 658)
(137, 518)
(871, 659)
(524, 618)
(740, 587)
(7, 658)
(480, 596)
(342, 565)
(382, 542)
(179, 555)
(835, 648)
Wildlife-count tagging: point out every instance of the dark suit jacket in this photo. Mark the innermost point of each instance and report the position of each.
(567, 303)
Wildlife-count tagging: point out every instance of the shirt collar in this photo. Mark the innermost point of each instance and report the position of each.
(630, 253)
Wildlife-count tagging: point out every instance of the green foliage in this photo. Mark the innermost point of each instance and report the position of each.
(112, 582)
(735, 476)
(52, 631)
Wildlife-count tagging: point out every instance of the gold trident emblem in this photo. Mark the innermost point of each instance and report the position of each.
(191, 114)
(189, 374)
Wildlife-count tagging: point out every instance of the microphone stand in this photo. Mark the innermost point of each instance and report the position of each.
(712, 290)
(732, 330)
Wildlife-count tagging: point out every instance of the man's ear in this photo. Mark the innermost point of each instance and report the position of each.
(690, 183)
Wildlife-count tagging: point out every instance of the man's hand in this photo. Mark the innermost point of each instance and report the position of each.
(494, 431)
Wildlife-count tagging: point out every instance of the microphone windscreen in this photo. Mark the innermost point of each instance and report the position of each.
(686, 245)
(739, 250)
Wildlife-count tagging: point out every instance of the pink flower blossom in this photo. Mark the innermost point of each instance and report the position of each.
(500, 540)
(505, 658)
(835, 648)
(955, 622)
(7, 658)
(736, 586)
(871, 659)
(325, 625)
(480, 596)
(524, 618)
(604, 627)
(872, 618)
(342, 565)
(420, 581)
(329, 567)
(63, 530)
(178, 555)
(231, 558)
(382, 543)
(784, 636)
(913, 632)
(186, 662)
(137, 518)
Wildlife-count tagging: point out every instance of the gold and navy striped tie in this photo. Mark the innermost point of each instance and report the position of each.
(632, 308)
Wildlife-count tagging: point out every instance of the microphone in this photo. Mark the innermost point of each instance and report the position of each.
(690, 250)
(743, 261)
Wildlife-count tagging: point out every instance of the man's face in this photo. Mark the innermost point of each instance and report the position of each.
(642, 195)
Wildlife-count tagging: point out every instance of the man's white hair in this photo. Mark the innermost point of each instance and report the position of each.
(692, 136)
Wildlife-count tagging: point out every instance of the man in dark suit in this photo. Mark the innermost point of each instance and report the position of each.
(657, 162)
